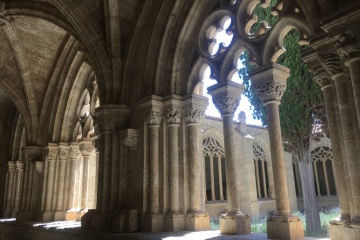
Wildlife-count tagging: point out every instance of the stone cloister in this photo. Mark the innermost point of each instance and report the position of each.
(102, 113)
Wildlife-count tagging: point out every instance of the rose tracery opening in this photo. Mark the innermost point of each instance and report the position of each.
(220, 37)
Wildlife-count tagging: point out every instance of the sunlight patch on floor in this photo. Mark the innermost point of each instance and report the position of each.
(59, 225)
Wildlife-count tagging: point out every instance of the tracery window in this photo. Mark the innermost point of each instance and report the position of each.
(323, 171)
(214, 170)
(261, 172)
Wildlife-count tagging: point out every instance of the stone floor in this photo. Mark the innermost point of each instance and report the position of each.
(70, 230)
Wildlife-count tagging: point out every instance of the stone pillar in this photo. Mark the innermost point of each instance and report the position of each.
(86, 148)
(29, 193)
(48, 214)
(349, 139)
(18, 187)
(324, 81)
(196, 219)
(155, 219)
(59, 196)
(10, 189)
(72, 183)
(269, 83)
(108, 121)
(226, 98)
(348, 49)
(174, 220)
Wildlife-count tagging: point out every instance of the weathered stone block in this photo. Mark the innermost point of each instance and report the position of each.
(351, 230)
(86, 219)
(197, 222)
(235, 224)
(336, 228)
(47, 216)
(127, 221)
(285, 227)
(154, 223)
(59, 216)
(70, 215)
(174, 222)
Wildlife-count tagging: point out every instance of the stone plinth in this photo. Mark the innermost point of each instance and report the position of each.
(47, 216)
(285, 227)
(127, 221)
(154, 223)
(351, 230)
(235, 224)
(336, 228)
(87, 218)
(197, 222)
(102, 221)
(174, 222)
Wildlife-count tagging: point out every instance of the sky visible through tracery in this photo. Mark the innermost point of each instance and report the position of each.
(244, 102)
(221, 36)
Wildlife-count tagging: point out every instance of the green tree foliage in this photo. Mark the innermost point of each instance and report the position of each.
(264, 15)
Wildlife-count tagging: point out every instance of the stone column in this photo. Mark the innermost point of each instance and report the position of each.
(174, 218)
(59, 197)
(48, 211)
(18, 187)
(31, 154)
(269, 83)
(196, 219)
(10, 189)
(348, 49)
(349, 139)
(86, 148)
(74, 163)
(226, 98)
(156, 222)
(108, 121)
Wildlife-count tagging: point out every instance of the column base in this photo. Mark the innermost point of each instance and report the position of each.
(127, 221)
(47, 216)
(87, 218)
(14, 212)
(285, 227)
(197, 222)
(102, 222)
(235, 224)
(174, 222)
(336, 228)
(59, 216)
(352, 229)
(25, 216)
(7, 213)
(154, 223)
(70, 215)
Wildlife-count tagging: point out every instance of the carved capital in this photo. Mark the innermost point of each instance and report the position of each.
(130, 138)
(271, 91)
(193, 115)
(74, 154)
(173, 116)
(11, 167)
(63, 154)
(39, 167)
(153, 118)
(110, 118)
(227, 105)
(321, 77)
(347, 45)
(86, 148)
(52, 154)
(31, 153)
(19, 166)
(331, 63)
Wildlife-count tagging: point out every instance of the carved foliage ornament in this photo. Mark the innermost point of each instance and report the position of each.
(193, 115)
(12, 168)
(86, 149)
(320, 76)
(52, 154)
(173, 116)
(64, 153)
(271, 91)
(153, 118)
(331, 63)
(130, 142)
(74, 154)
(227, 105)
(347, 45)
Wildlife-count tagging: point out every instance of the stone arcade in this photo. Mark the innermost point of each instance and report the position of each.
(102, 113)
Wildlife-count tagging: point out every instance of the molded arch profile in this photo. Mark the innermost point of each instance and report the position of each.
(229, 63)
(197, 72)
(273, 46)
